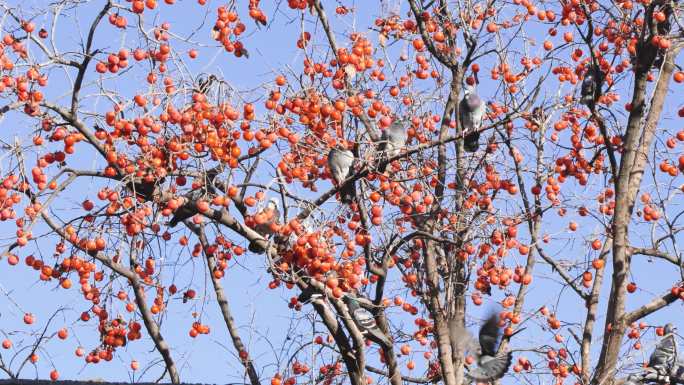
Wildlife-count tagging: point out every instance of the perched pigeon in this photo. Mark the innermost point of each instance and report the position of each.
(490, 367)
(392, 141)
(592, 80)
(471, 111)
(340, 162)
(266, 219)
(664, 357)
(365, 321)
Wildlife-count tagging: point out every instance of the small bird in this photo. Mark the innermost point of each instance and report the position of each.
(365, 321)
(205, 82)
(471, 111)
(592, 81)
(392, 141)
(664, 357)
(490, 367)
(340, 162)
(266, 222)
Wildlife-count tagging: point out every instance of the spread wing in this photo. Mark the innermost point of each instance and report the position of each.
(489, 336)
(491, 368)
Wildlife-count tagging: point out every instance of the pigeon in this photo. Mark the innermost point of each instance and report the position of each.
(365, 321)
(490, 366)
(266, 220)
(340, 162)
(392, 141)
(471, 112)
(592, 80)
(664, 357)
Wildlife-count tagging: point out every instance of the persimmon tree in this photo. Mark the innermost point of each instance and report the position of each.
(558, 220)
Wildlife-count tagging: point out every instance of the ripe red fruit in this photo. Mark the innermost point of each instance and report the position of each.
(6, 344)
(62, 333)
(631, 287)
(54, 375)
(28, 318)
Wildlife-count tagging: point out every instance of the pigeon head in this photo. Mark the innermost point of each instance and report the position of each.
(670, 328)
(472, 99)
(398, 125)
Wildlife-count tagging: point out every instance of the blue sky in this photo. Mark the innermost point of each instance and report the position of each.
(262, 314)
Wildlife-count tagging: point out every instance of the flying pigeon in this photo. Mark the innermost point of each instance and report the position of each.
(664, 357)
(592, 80)
(266, 219)
(471, 111)
(490, 367)
(340, 162)
(392, 141)
(365, 321)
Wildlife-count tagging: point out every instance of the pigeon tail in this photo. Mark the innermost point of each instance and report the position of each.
(471, 142)
(347, 193)
(378, 337)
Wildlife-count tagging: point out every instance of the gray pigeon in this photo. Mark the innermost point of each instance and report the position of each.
(393, 139)
(664, 357)
(365, 321)
(471, 111)
(592, 80)
(340, 162)
(490, 367)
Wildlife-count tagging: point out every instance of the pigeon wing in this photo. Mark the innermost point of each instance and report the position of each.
(463, 115)
(491, 369)
(489, 336)
(364, 319)
(366, 322)
(664, 353)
